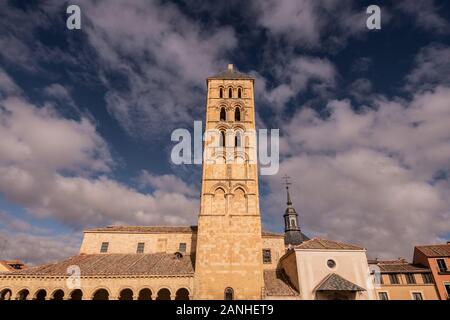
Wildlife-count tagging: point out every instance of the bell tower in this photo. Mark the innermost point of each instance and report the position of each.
(229, 250)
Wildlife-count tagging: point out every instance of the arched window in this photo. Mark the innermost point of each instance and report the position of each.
(222, 139)
(237, 114)
(223, 114)
(238, 139)
(229, 293)
(221, 93)
(230, 93)
(239, 93)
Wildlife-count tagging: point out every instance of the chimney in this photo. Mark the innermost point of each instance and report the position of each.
(230, 67)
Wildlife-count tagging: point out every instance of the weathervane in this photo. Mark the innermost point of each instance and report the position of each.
(286, 180)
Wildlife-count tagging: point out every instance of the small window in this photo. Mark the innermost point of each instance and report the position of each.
(427, 278)
(442, 265)
(182, 247)
(223, 114)
(410, 279)
(393, 277)
(417, 296)
(331, 263)
(222, 138)
(383, 296)
(104, 247)
(447, 288)
(229, 294)
(267, 256)
(378, 278)
(221, 93)
(230, 93)
(237, 139)
(140, 247)
(239, 93)
(237, 114)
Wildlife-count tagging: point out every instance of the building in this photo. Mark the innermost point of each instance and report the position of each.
(227, 256)
(328, 270)
(11, 265)
(401, 280)
(437, 259)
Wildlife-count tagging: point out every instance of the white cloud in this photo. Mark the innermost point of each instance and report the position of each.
(425, 15)
(432, 66)
(161, 57)
(368, 177)
(55, 167)
(167, 183)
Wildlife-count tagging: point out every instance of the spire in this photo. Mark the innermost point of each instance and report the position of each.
(292, 233)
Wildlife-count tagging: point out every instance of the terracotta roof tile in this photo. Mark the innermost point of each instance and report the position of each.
(436, 250)
(401, 265)
(318, 243)
(116, 264)
(276, 283)
(334, 282)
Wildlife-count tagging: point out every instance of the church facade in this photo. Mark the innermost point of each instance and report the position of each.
(226, 256)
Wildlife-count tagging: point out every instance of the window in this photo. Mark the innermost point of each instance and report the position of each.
(383, 296)
(410, 279)
(221, 93)
(331, 263)
(229, 293)
(427, 278)
(267, 256)
(104, 247)
(223, 114)
(293, 223)
(447, 288)
(417, 296)
(237, 139)
(441, 265)
(230, 93)
(140, 247)
(222, 138)
(237, 114)
(182, 247)
(378, 277)
(239, 93)
(393, 277)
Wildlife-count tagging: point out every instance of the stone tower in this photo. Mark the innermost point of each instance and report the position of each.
(229, 250)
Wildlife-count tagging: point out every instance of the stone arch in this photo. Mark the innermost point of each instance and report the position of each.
(228, 294)
(239, 202)
(76, 294)
(58, 294)
(126, 294)
(238, 113)
(101, 294)
(23, 294)
(219, 200)
(220, 92)
(240, 92)
(40, 294)
(6, 294)
(182, 294)
(222, 114)
(145, 294)
(230, 92)
(163, 294)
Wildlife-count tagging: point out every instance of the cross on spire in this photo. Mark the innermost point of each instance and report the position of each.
(288, 183)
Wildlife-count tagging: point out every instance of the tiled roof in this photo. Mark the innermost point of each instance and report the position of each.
(231, 75)
(115, 264)
(146, 229)
(318, 243)
(276, 283)
(436, 250)
(401, 265)
(12, 264)
(163, 229)
(334, 282)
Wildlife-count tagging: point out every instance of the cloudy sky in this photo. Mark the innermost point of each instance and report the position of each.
(86, 116)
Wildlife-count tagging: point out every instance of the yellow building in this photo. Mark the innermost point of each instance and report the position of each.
(400, 280)
(227, 256)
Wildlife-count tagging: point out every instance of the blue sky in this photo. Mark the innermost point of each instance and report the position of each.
(86, 116)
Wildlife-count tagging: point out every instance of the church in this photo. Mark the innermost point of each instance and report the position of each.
(227, 256)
